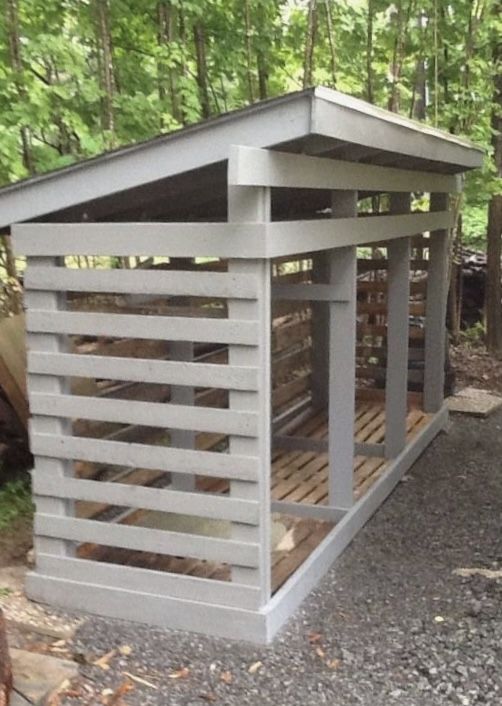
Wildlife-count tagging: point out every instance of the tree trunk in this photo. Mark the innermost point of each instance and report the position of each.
(493, 305)
(5, 665)
(249, 51)
(261, 59)
(401, 21)
(369, 53)
(16, 63)
(308, 62)
(107, 77)
(202, 77)
(167, 77)
(456, 284)
(331, 40)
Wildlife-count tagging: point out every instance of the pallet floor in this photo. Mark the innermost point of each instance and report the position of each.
(297, 477)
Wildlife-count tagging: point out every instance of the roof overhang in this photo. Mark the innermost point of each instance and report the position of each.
(316, 121)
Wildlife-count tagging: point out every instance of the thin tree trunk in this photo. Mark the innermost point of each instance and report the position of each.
(493, 305)
(202, 80)
(369, 53)
(108, 85)
(331, 40)
(261, 60)
(401, 20)
(418, 103)
(249, 51)
(167, 78)
(16, 62)
(456, 284)
(308, 62)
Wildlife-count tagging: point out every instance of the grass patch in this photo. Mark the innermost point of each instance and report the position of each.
(15, 502)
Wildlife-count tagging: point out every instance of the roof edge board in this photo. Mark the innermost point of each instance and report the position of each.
(185, 150)
(346, 118)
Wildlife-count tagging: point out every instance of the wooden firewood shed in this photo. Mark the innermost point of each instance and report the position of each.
(216, 411)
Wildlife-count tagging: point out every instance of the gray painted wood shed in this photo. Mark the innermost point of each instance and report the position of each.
(246, 360)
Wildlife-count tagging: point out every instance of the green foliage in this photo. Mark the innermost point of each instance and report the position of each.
(15, 502)
(77, 78)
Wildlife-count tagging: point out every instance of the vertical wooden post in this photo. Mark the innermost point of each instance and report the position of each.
(247, 204)
(398, 298)
(52, 343)
(342, 362)
(182, 394)
(435, 312)
(320, 335)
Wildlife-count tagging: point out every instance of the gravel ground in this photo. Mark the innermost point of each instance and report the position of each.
(390, 624)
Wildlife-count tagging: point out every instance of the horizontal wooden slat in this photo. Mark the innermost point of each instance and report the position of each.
(368, 265)
(260, 240)
(159, 582)
(311, 292)
(161, 282)
(166, 372)
(174, 328)
(140, 239)
(298, 236)
(158, 499)
(134, 455)
(251, 166)
(174, 416)
(147, 540)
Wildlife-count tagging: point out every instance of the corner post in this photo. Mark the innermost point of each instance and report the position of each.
(252, 204)
(342, 361)
(435, 311)
(398, 298)
(54, 384)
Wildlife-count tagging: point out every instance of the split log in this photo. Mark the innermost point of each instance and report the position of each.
(5, 665)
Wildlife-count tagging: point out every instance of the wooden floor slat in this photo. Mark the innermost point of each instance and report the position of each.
(296, 477)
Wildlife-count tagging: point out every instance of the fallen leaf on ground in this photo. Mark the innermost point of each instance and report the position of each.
(486, 573)
(255, 667)
(320, 652)
(140, 680)
(115, 698)
(102, 662)
(125, 650)
(314, 637)
(333, 663)
(180, 673)
(226, 677)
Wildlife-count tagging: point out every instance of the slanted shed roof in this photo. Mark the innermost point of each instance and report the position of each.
(182, 174)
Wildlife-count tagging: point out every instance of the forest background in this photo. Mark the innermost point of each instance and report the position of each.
(78, 77)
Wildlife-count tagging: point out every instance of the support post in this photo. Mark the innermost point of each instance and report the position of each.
(398, 298)
(182, 394)
(342, 362)
(320, 335)
(185, 395)
(248, 204)
(52, 343)
(435, 312)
